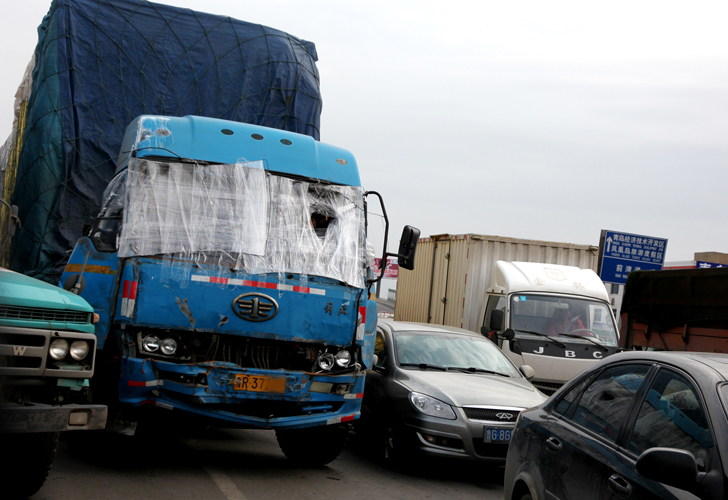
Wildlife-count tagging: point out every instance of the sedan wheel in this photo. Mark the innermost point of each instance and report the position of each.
(391, 448)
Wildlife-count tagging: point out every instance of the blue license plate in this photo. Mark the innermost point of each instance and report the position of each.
(493, 435)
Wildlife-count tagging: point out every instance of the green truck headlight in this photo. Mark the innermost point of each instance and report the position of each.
(79, 350)
(58, 349)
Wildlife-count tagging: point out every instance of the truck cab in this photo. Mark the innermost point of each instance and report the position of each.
(47, 356)
(555, 318)
(230, 270)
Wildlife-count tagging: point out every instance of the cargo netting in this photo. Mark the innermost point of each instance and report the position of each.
(101, 63)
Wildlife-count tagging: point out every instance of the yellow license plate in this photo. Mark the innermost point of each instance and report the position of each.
(256, 383)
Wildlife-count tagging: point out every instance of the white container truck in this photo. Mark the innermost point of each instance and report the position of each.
(460, 280)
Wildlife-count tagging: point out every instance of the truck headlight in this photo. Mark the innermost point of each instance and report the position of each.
(58, 349)
(150, 343)
(168, 346)
(79, 350)
(431, 406)
(343, 358)
(326, 361)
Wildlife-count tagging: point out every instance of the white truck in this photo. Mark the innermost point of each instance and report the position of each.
(460, 280)
(557, 319)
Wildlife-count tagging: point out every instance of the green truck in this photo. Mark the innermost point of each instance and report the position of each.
(47, 353)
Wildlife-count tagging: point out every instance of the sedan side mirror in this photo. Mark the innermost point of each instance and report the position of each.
(378, 368)
(669, 466)
(527, 371)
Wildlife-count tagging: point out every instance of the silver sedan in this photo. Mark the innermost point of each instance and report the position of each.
(442, 391)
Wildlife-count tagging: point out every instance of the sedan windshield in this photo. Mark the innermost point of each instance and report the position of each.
(559, 316)
(451, 351)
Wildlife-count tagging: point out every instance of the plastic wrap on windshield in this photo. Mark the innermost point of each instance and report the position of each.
(239, 216)
(114, 195)
(182, 208)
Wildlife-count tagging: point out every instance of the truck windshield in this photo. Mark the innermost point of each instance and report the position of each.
(241, 216)
(560, 316)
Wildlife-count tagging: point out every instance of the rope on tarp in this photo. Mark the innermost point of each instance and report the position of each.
(102, 63)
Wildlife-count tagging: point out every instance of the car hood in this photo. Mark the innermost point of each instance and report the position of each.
(23, 291)
(470, 389)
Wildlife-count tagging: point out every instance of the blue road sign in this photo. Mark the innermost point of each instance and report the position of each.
(707, 265)
(622, 253)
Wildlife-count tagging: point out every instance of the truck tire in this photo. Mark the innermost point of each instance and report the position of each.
(314, 446)
(26, 461)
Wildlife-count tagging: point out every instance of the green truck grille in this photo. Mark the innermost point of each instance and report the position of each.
(35, 314)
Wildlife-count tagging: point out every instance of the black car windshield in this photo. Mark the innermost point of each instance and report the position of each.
(450, 351)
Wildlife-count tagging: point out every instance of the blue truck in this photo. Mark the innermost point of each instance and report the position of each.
(230, 269)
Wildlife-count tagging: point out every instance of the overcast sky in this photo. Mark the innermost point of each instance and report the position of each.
(529, 119)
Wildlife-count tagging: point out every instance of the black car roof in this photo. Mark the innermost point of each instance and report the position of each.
(716, 361)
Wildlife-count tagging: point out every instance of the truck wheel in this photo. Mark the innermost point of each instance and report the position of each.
(26, 461)
(314, 445)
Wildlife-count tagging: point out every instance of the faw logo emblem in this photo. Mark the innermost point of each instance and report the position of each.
(255, 307)
(504, 416)
(19, 350)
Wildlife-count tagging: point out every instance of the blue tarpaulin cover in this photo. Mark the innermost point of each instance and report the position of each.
(101, 63)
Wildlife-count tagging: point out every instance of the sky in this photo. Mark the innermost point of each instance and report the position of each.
(527, 119)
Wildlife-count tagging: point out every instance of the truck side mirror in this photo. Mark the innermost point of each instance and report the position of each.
(497, 320)
(408, 247)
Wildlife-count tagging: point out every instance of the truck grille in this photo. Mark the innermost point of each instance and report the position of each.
(34, 314)
(491, 414)
(23, 354)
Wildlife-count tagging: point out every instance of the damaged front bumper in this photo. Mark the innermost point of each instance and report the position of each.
(227, 393)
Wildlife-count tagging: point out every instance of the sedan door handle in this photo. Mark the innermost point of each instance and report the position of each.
(553, 444)
(620, 486)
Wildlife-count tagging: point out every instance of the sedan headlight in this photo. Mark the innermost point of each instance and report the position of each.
(431, 406)
(58, 349)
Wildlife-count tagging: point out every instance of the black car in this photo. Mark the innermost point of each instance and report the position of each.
(638, 425)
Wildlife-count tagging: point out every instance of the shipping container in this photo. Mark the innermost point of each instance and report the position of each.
(452, 273)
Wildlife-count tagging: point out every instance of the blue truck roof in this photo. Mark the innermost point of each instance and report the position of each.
(222, 141)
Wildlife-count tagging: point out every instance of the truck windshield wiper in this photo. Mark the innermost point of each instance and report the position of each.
(560, 344)
(425, 366)
(477, 370)
(585, 338)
